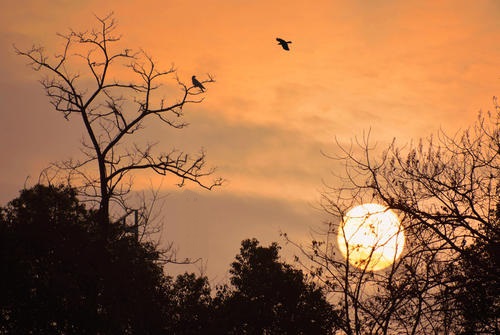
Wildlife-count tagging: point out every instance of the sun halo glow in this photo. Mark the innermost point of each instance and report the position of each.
(370, 237)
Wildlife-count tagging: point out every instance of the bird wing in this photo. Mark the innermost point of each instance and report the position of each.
(283, 43)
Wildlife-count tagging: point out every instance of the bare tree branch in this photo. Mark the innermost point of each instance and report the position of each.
(446, 190)
(79, 81)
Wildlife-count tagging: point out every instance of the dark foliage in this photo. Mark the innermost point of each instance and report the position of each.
(60, 278)
(477, 286)
(189, 305)
(270, 297)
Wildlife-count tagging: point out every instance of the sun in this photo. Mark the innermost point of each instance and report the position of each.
(371, 237)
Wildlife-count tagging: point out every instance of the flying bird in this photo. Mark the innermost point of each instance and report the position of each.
(196, 83)
(283, 43)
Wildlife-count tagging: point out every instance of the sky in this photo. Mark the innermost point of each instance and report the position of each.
(399, 69)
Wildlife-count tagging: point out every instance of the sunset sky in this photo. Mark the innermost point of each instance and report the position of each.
(401, 69)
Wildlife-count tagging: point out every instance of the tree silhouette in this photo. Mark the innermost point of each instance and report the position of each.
(86, 80)
(446, 190)
(189, 307)
(477, 287)
(270, 297)
(57, 278)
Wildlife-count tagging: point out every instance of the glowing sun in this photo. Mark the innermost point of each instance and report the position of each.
(371, 237)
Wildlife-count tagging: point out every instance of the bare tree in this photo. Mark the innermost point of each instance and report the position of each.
(114, 91)
(447, 193)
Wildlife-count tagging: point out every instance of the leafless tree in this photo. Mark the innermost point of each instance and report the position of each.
(446, 190)
(113, 92)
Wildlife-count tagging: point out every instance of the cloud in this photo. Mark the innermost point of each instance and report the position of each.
(257, 158)
(401, 69)
(211, 225)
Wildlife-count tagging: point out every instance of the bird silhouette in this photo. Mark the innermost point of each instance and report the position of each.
(283, 43)
(196, 83)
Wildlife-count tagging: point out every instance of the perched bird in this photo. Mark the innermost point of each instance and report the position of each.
(196, 83)
(283, 43)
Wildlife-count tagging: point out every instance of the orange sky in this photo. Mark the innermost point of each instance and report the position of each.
(401, 69)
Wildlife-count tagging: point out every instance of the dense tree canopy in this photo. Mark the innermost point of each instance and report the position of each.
(270, 297)
(189, 307)
(477, 286)
(59, 278)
